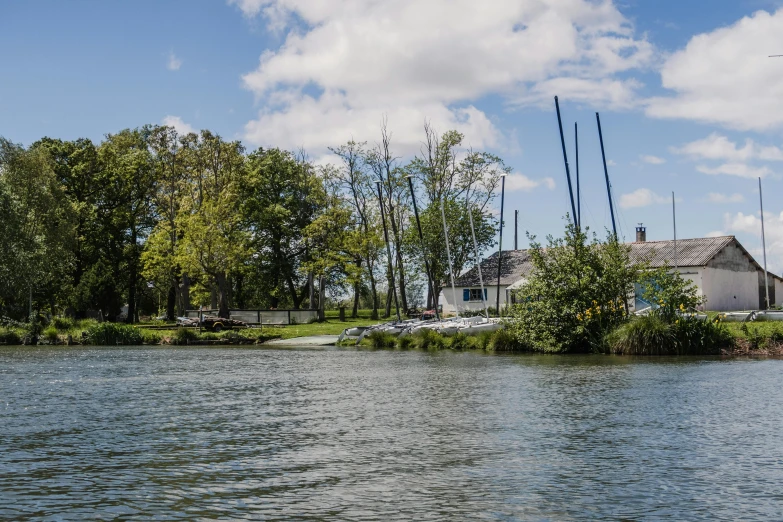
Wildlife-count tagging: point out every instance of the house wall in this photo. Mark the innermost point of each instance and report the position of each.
(778, 292)
(729, 290)
(447, 299)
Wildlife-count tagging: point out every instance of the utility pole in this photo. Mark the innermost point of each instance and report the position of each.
(516, 230)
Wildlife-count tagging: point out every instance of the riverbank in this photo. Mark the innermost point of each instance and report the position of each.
(753, 339)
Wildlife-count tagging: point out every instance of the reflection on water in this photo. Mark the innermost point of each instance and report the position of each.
(356, 435)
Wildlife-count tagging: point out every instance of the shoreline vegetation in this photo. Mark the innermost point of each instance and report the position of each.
(753, 339)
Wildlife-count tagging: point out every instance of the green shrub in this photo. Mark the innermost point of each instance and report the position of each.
(426, 339)
(405, 343)
(381, 340)
(185, 335)
(51, 334)
(10, 337)
(113, 334)
(698, 337)
(645, 335)
(484, 340)
(461, 342)
(150, 337)
(505, 341)
(62, 323)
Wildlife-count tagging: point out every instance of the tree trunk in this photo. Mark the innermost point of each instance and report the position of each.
(240, 293)
(311, 290)
(389, 300)
(132, 277)
(171, 302)
(213, 297)
(222, 295)
(356, 296)
(292, 290)
(322, 298)
(185, 293)
(399, 262)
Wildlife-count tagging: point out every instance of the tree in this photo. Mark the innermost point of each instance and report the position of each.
(129, 175)
(42, 226)
(353, 180)
(453, 188)
(169, 152)
(281, 196)
(214, 241)
(576, 293)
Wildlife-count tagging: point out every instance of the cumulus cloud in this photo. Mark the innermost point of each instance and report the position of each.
(652, 160)
(716, 197)
(520, 182)
(747, 227)
(180, 126)
(719, 147)
(174, 63)
(642, 197)
(741, 170)
(725, 77)
(343, 64)
(715, 233)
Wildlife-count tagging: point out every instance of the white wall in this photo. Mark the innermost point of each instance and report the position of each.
(727, 290)
(447, 299)
(778, 291)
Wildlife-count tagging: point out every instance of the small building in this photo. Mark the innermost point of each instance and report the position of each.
(720, 267)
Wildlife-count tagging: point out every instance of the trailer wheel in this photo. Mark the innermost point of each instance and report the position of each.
(218, 327)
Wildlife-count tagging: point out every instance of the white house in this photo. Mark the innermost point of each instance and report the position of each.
(720, 268)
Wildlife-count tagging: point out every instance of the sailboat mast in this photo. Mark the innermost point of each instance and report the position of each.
(448, 254)
(764, 247)
(424, 249)
(476, 251)
(606, 174)
(578, 195)
(674, 223)
(565, 160)
(500, 243)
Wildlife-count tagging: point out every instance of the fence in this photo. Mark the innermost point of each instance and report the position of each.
(271, 317)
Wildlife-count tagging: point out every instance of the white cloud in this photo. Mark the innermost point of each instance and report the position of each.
(715, 197)
(642, 197)
(174, 63)
(715, 233)
(749, 226)
(345, 63)
(652, 160)
(180, 126)
(725, 76)
(611, 163)
(516, 181)
(736, 169)
(718, 147)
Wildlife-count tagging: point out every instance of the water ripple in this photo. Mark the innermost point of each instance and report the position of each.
(184, 434)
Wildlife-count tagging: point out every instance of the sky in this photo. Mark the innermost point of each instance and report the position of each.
(690, 101)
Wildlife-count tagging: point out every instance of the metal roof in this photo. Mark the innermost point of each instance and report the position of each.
(690, 252)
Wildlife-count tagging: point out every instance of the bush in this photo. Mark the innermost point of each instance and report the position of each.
(113, 334)
(460, 342)
(185, 335)
(645, 335)
(150, 337)
(51, 334)
(10, 337)
(652, 335)
(405, 343)
(62, 323)
(381, 340)
(426, 339)
(505, 341)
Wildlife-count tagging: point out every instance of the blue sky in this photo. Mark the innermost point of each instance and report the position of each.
(689, 101)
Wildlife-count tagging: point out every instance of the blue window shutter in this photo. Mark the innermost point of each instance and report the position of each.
(485, 294)
(466, 294)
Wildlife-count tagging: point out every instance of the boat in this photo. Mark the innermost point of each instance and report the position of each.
(768, 315)
(737, 317)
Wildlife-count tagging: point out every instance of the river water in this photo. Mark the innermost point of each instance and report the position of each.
(184, 434)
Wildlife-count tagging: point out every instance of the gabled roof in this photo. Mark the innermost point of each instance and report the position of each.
(690, 253)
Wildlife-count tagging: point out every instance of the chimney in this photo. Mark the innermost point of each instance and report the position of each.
(641, 233)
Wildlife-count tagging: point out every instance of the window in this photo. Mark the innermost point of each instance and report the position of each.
(473, 294)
